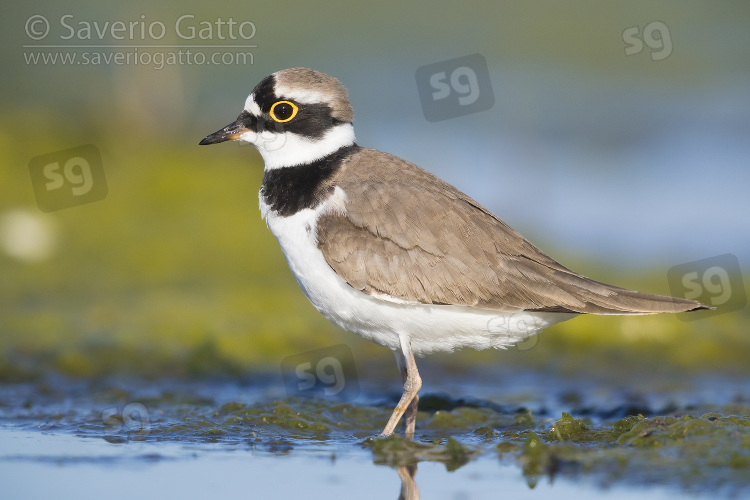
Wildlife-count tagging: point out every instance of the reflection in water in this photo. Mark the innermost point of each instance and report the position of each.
(409, 488)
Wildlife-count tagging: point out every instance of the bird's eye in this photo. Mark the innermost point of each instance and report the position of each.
(283, 111)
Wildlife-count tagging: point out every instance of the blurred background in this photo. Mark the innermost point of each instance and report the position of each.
(617, 142)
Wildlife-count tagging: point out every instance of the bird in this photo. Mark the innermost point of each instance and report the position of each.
(388, 251)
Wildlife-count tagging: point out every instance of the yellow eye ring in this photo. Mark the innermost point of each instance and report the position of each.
(286, 112)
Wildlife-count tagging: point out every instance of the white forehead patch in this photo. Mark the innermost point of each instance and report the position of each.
(302, 96)
(251, 106)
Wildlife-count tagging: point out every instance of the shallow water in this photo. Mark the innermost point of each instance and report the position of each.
(128, 438)
(44, 465)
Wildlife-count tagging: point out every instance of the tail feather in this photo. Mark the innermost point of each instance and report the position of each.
(600, 298)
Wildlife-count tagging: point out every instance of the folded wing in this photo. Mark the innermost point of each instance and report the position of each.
(418, 239)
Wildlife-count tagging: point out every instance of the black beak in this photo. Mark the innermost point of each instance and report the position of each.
(228, 133)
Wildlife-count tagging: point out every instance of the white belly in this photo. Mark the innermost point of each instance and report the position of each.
(383, 320)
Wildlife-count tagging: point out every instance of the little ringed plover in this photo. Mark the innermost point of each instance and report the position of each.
(388, 251)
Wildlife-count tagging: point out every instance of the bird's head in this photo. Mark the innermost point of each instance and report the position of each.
(294, 116)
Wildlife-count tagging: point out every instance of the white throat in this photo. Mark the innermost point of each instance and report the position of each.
(286, 149)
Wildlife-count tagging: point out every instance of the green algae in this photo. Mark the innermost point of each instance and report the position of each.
(462, 418)
(694, 450)
(698, 432)
(567, 428)
(624, 425)
(524, 419)
(688, 450)
(307, 418)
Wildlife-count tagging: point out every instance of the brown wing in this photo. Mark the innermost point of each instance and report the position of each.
(409, 235)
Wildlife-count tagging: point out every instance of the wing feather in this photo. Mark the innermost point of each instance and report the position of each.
(411, 236)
